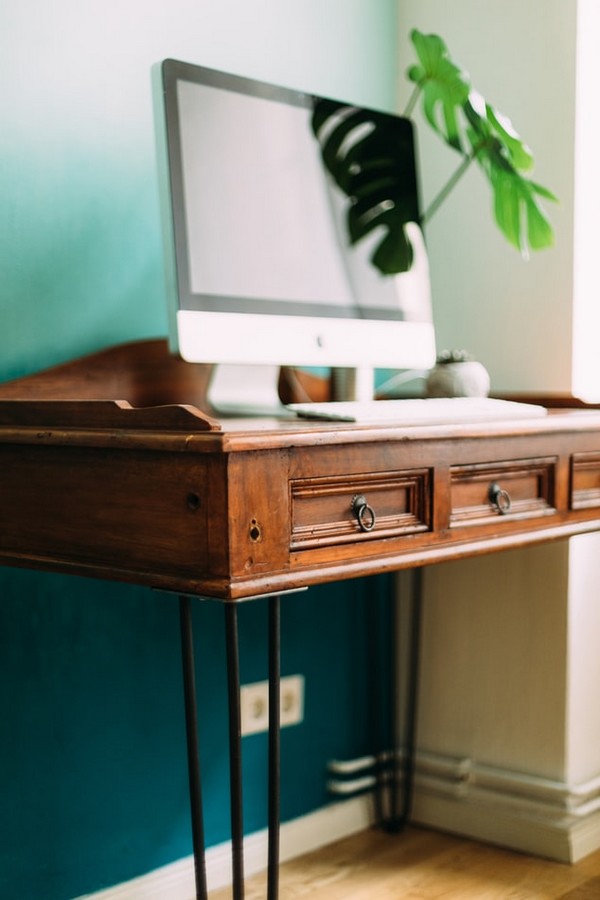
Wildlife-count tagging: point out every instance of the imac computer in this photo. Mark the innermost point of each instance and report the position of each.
(261, 268)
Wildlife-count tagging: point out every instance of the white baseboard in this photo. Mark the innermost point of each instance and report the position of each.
(176, 881)
(518, 810)
(535, 815)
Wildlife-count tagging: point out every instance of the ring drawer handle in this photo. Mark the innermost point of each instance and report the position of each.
(364, 513)
(499, 498)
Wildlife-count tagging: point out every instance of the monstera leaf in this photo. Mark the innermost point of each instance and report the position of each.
(369, 155)
(504, 158)
(473, 127)
(444, 86)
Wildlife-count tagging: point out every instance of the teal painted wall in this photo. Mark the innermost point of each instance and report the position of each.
(93, 786)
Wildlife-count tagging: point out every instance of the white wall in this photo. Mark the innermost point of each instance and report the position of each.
(493, 678)
(515, 316)
(510, 669)
(509, 313)
(583, 723)
(586, 359)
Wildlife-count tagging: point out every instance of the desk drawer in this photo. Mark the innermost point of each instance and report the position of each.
(585, 480)
(359, 507)
(509, 490)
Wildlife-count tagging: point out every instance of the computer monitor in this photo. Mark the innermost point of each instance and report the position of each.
(260, 269)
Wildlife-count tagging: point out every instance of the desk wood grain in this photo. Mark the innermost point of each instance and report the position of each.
(167, 496)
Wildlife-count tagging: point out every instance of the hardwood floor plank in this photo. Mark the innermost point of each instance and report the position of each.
(588, 890)
(426, 865)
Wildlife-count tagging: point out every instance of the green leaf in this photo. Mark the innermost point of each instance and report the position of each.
(518, 212)
(445, 87)
(370, 157)
(504, 157)
(519, 153)
(490, 130)
(467, 123)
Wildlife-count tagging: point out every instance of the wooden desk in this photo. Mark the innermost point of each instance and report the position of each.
(109, 470)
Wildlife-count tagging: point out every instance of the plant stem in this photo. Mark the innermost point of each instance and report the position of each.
(448, 187)
(412, 101)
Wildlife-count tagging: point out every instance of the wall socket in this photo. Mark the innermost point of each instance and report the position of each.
(254, 703)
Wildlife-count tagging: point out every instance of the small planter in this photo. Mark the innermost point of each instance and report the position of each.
(457, 374)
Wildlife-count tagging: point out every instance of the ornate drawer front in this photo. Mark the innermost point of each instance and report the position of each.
(585, 480)
(359, 507)
(516, 489)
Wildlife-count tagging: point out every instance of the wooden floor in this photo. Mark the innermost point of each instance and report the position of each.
(426, 865)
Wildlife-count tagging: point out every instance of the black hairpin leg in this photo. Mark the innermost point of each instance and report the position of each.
(378, 682)
(191, 722)
(399, 814)
(235, 748)
(413, 691)
(274, 748)
(235, 751)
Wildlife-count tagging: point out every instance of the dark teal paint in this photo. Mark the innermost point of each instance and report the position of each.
(93, 776)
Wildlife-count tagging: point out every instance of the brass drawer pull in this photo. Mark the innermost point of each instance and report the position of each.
(364, 513)
(499, 498)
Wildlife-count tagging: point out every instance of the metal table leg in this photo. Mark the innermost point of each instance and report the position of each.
(400, 814)
(191, 722)
(235, 750)
(394, 776)
(274, 748)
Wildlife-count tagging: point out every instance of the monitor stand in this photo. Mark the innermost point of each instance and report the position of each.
(353, 384)
(252, 390)
(244, 390)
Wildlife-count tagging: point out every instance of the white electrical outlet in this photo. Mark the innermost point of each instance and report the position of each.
(254, 703)
(291, 700)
